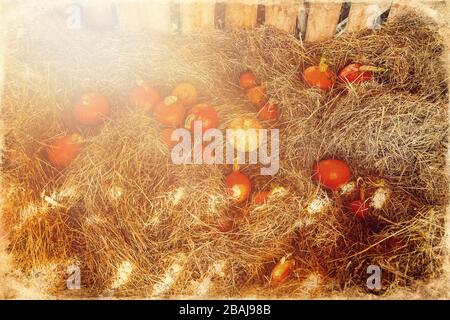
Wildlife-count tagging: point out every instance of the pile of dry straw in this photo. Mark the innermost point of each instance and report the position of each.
(137, 225)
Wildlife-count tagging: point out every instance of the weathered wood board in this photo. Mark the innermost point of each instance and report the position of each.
(322, 20)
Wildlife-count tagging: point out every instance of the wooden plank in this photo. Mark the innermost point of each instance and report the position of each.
(366, 15)
(196, 15)
(282, 15)
(139, 15)
(322, 20)
(239, 15)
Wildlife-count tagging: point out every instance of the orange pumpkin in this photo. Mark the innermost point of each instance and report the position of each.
(91, 108)
(201, 112)
(260, 197)
(319, 76)
(394, 244)
(257, 96)
(355, 73)
(225, 224)
(170, 112)
(245, 140)
(282, 271)
(359, 208)
(247, 80)
(64, 150)
(166, 135)
(144, 97)
(238, 185)
(186, 93)
(331, 173)
(270, 111)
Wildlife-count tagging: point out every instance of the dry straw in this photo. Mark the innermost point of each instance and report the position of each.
(137, 225)
(412, 55)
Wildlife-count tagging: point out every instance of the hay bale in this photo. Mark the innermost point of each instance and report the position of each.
(139, 225)
(43, 234)
(410, 47)
(99, 178)
(404, 239)
(398, 136)
(28, 131)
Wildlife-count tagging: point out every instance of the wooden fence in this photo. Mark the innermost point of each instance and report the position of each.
(309, 20)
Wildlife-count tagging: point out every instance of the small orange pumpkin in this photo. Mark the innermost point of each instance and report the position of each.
(186, 93)
(91, 108)
(257, 96)
(201, 112)
(170, 112)
(359, 208)
(331, 173)
(225, 224)
(282, 271)
(238, 185)
(166, 135)
(355, 73)
(144, 97)
(319, 76)
(269, 112)
(260, 197)
(247, 80)
(64, 150)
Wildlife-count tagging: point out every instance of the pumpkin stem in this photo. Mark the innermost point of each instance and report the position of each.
(359, 181)
(380, 183)
(323, 66)
(362, 194)
(170, 100)
(188, 122)
(372, 69)
(277, 190)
